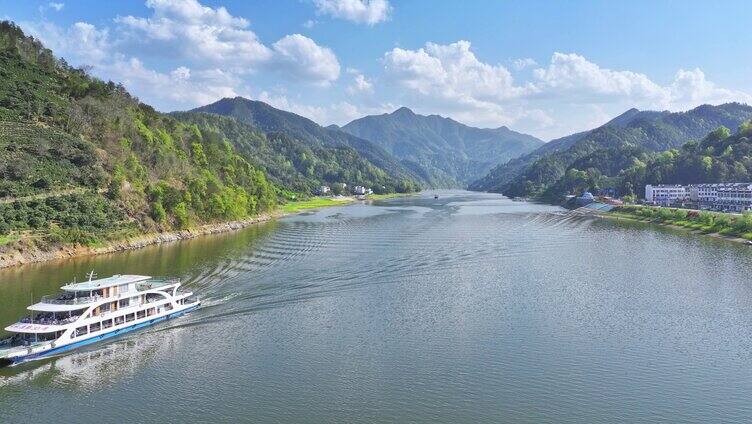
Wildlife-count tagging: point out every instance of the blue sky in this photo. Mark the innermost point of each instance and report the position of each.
(544, 67)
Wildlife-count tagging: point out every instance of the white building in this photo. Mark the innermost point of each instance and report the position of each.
(360, 190)
(666, 194)
(323, 190)
(734, 197)
(704, 194)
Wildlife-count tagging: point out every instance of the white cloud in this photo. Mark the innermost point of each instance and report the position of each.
(191, 30)
(81, 44)
(691, 88)
(309, 24)
(181, 87)
(576, 77)
(520, 64)
(451, 71)
(368, 12)
(360, 85)
(302, 57)
(451, 80)
(51, 6)
(339, 113)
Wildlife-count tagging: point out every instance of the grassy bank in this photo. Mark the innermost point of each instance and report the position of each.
(314, 203)
(702, 221)
(389, 196)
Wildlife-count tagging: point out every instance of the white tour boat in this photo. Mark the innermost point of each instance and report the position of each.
(91, 311)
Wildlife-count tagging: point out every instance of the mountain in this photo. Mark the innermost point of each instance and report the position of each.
(275, 121)
(633, 134)
(289, 163)
(447, 152)
(83, 162)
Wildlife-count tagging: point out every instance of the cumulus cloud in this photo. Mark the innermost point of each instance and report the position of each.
(575, 76)
(523, 63)
(300, 56)
(451, 71)
(368, 12)
(691, 88)
(360, 85)
(192, 30)
(81, 43)
(181, 87)
(339, 113)
(451, 80)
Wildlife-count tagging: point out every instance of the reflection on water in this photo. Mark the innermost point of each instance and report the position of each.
(469, 307)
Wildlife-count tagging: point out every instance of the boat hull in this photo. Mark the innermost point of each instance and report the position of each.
(4, 362)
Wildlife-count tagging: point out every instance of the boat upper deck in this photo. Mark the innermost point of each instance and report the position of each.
(101, 283)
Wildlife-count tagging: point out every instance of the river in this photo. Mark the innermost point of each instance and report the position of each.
(466, 308)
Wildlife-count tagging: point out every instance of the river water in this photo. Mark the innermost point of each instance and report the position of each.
(469, 308)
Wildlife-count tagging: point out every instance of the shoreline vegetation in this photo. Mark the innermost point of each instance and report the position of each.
(18, 249)
(732, 227)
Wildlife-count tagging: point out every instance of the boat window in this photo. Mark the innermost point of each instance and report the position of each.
(122, 288)
(154, 297)
(130, 317)
(151, 311)
(80, 331)
(46, 337)
(119, 320)
(107, 323)
(140, 314)
(123, 303)
(95, 327)
(168, 307)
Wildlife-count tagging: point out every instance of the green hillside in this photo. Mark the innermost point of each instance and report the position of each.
(451, 154)
(290, 163)
(549, 171)
(83, 162)
(275, 121)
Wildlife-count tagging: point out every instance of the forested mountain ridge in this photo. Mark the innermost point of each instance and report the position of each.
(447, 152)
(633, 134)
(275, 121)
(289, 163)
(82, 161)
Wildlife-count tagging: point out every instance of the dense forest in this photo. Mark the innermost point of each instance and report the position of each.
(83, 161)
(719, 157)
(616, 154)
(296, 166)
(278, 123)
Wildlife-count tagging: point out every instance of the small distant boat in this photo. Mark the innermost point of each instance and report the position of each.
(91, 311)
(435, 196)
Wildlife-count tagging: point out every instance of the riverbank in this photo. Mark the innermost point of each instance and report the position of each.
(26, 251)
(15, 250)
(736, 228)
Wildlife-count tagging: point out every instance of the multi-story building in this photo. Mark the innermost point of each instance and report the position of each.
(734, 197)
(666, 194)
(705, 195)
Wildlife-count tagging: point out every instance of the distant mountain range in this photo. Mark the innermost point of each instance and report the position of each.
(277, 122)
(608, 149)
(443, 151)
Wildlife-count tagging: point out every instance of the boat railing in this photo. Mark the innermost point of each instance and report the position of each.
(48, 321)
(157, 282)
(67, 300)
